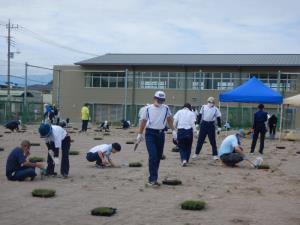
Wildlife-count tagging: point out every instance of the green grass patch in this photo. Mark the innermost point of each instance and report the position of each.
(103, 211)
(74, 152)
(193, 205)
(263, 167)
(135, 164)
(43, 193)
(98, 138)
(34, 159)
(35, 144)
(172, 182)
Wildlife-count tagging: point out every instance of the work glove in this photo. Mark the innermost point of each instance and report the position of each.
(55, 159)
(139, 138)
(219, 130)
(174, 134)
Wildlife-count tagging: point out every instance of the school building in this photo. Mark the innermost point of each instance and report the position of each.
(117, 85)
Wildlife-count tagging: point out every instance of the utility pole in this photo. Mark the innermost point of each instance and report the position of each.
(9, 26)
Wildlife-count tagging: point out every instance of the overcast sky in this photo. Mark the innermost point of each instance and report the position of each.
(145, 26)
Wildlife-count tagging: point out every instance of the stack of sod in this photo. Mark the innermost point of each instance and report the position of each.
(263, 167)
(193, 205)
(103, 211)
(73, 152)
(43, 193)
(172, 182)
(35, 159)
(135, 164)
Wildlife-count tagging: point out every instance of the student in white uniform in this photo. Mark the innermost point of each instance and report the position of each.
(154, 119)
(102, 154)
(208, 114)
(141, 112)
(56, 137)
(184, 121)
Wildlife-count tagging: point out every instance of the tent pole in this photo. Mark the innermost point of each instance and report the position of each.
(281, 121)
(227, 111)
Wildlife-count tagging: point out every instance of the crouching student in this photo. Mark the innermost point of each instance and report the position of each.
(13, 125)
(18, 168)
(56, 137)
(101, 154)
(231, 151)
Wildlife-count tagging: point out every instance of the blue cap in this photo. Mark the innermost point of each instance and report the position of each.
(45, 130)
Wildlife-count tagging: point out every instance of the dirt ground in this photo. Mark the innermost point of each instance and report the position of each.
(239, 196)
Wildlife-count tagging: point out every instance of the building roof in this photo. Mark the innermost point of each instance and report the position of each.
(193, 60)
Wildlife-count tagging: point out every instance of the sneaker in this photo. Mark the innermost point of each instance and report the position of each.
(251, 153)
(216, 157)
(184, 163)
(99, 166)
(195, 156)
(153, 184)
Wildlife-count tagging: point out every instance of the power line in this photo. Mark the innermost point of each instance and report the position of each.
(51, 42)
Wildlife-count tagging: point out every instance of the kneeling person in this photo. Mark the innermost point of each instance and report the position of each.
(231, 151)
(18, 168)
(101, 154)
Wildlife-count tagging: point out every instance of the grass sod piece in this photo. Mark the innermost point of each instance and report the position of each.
(34, 159)
(103, 211)
(1, 135)
(74, 152)
(175, 149)
(163, 157)
(172, 182)
(263, 167)
(280, 147)
(98, 138)
(193, 205)
(43, 193)
(35, 144)
(130, 142)
(7, 132)
(135, 164)
(1, 149)
(106, 134)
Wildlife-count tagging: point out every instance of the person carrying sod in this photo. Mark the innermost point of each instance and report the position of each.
(102, 154)
(184, 121)
(56, 137)
(154, 119)
(18, 168)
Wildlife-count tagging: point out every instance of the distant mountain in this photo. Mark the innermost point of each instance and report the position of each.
(19, 80)
(43, 88)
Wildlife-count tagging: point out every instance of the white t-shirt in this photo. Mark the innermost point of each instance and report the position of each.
(57, 136)
(156, 116)
(104, 148)
(185, 119)
(228, 144)
(209, 114)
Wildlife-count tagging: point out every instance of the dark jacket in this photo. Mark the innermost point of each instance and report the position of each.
(260, 117)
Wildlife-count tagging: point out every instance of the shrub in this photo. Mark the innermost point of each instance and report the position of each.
(34, 159)
(193, 205)
(172, 182)
(43, 193)
(135, 164)
(74, 152)
(103, 211)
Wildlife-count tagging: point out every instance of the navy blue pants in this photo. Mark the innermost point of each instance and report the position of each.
(185, 141)
(262, 133)
(65, 164)
(207, 129)
(155, 140)
(22, 174)
(84, 125)
(92, 157)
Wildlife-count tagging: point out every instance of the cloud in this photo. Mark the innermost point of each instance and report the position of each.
(140, 26)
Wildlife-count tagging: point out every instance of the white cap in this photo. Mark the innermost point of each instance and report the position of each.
(160, 95)
(211, 99)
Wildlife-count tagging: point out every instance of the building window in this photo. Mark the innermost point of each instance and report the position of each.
(105, 79)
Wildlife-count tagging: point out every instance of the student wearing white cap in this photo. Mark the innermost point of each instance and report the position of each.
(208, 114)
(184, 121)
(154, 119)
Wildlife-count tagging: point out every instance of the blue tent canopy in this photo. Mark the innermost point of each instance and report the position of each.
(252, 91)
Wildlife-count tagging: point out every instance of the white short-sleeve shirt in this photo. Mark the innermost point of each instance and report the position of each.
(156, 116)
(184, 119)
(209, 114)
(57, 136)
(106, 149)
